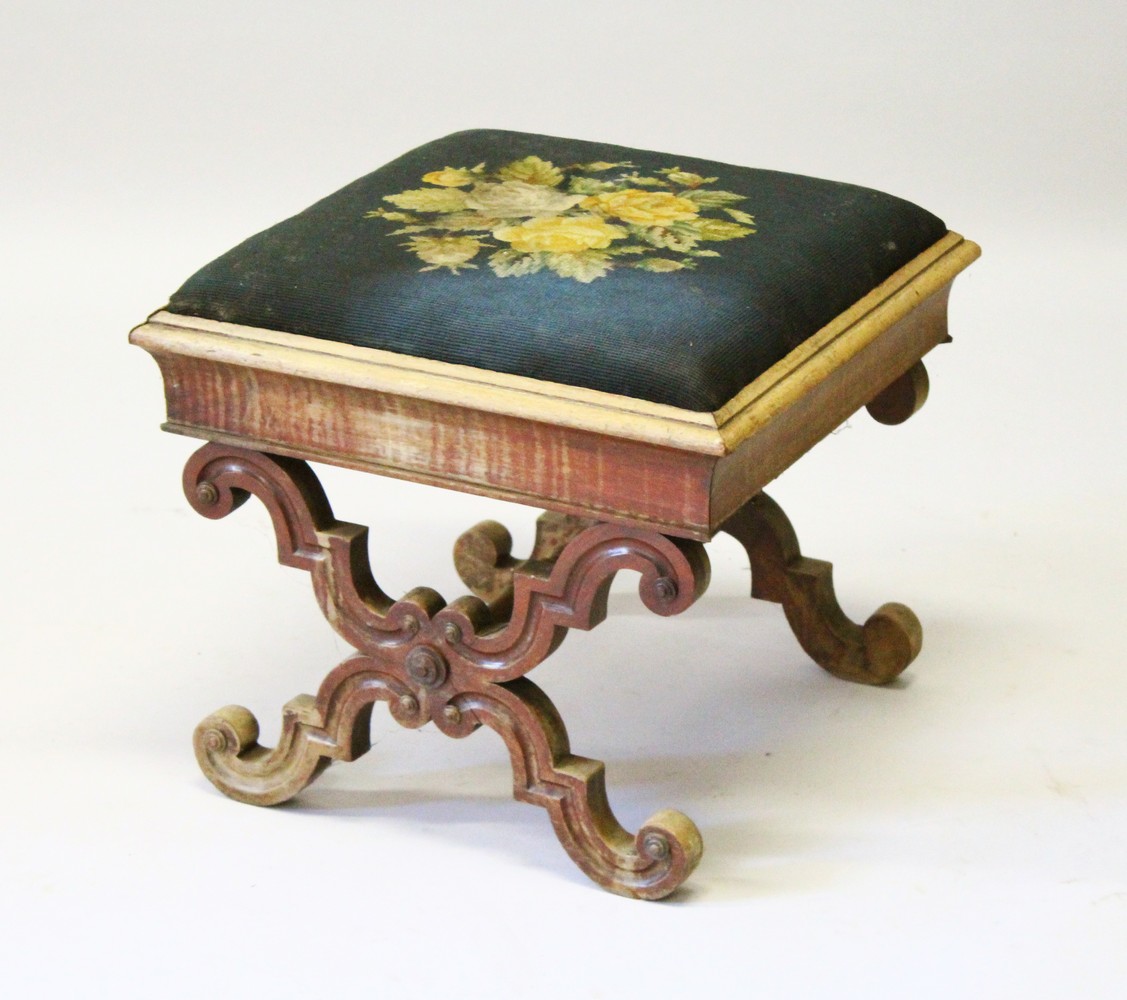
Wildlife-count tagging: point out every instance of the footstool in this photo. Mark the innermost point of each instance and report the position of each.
(635, 342)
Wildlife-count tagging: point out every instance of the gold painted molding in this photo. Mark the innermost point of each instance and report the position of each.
(843, 337)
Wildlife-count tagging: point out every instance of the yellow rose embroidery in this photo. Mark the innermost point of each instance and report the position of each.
(531, 216)
(645, 208)
(561, 234)
(451, 177)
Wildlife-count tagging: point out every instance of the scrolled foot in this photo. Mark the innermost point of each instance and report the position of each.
(654, 863)
(648, 865)
(875, 653)
(482, 557)
(227, 748)
(893, 638)
(672, 844)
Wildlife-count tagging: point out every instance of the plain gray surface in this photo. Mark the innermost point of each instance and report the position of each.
(960, 834)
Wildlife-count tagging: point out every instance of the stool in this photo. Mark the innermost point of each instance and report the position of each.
(635, 342)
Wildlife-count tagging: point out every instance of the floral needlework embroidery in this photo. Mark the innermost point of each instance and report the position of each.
(579, 221)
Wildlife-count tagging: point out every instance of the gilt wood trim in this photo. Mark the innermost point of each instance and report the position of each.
(892, 302)
(824, 402)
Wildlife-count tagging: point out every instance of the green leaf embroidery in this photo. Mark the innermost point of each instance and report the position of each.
(588, 185)
(457, 221)
(679, 236)
(660, 265)
(514, 264)
(685, 178)
(585, 266)
(450, 252)
(710, 199)
(600, 165)
(739, 216)
(718, 229)
(383, 213)
(638, 181)
(429, 199)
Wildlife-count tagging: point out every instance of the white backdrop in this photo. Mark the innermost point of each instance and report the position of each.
(960, 834)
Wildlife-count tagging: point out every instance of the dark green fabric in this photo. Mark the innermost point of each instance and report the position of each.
(660, 324)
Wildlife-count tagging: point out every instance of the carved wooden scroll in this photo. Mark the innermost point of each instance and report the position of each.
(459, 665)
(874, 653)
(462, 665)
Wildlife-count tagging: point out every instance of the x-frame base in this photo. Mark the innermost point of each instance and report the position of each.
(462, 665)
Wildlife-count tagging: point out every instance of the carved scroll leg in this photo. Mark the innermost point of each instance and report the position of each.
(647, 865)
(217, 480)
(565, 586)
(336, 725)
(871, 654)
(430, 662)
(483, 554)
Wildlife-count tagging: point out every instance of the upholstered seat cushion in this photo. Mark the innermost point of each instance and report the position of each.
(650, 275)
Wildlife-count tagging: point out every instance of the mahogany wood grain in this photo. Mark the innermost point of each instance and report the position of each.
(579, 472)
